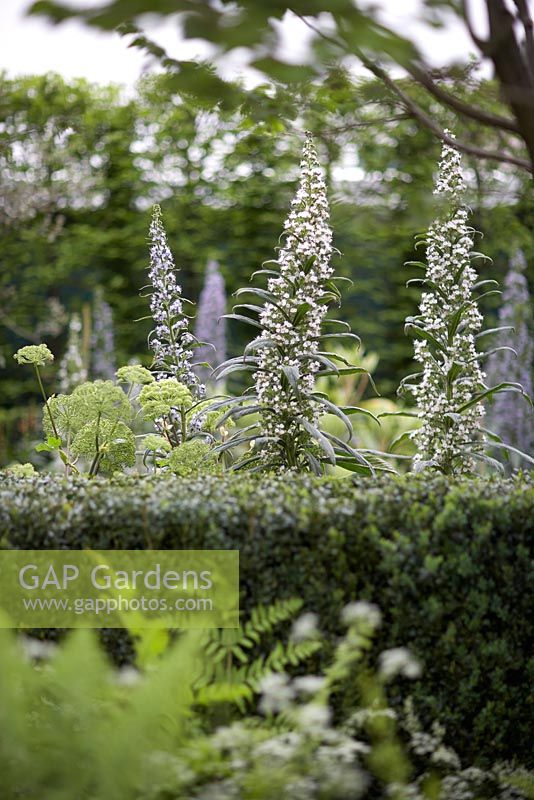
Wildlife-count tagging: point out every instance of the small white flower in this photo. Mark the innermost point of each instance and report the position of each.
(282, 747)
(34, 649)
(314, 718)
(399, 661)
(277, 693)
(362, 611)
(305, 627)
(231, 737)
(128, 676)
(309, 684)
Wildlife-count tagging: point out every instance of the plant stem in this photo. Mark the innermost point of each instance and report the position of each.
(46, 401)
(184, 423)
(94, 466)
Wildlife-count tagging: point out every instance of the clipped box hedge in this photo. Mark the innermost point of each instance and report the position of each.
(450, 565)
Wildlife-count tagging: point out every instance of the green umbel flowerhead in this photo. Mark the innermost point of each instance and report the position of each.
(116, 442)
(192, 458)
(157, 399)
(153, 442)
(134, 373)
(20, 470)
(37, 354)
(101, 399)
(66, 410)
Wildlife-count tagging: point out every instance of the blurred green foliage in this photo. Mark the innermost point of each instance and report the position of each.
(81, 166)
(185, 725)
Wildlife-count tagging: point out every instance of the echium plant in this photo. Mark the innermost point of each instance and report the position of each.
(171, 340)
(288, 355)
(72, 371)
(510, 416)
(450, 389)
(210, 323)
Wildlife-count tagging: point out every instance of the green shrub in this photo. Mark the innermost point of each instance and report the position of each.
(449, 563)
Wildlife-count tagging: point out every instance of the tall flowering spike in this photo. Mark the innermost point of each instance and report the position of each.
(72, 371)
(102, 339)
(287, 356)
(171, 340)
(509, 415)
(210, 327)
(293, 321)
(445, 334)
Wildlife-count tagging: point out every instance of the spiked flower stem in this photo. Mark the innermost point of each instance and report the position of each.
(300, 290)
(102, 339)
(172, 342)
(509, 415)
(71, 368)
(210, 327)
(450, 389)
(304, 263)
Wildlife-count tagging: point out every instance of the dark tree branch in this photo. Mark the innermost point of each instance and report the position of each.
(421, 116)
(528, 27)
(415, 110)
(511, 69)
(482, 44)
(467, 110)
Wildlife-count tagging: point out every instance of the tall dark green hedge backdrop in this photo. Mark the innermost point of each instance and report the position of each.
(451, 565)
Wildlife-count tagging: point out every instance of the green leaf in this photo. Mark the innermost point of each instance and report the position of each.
(352, 465)
(300, 313)
(224, 369)
(320, 438)
(398, 414)
(420, 333)
(490, 331)
(335, 410)
(504, 446)
(402, 437)
(505, 386)
(315, 464)
(475, 255)
(258, 344)
(426, 282)
(486, 282)
(322, 360)
(350, 410)
(52, 443)
(337, 323)
(238, 441)
(283, 72)
(487, 294)
(455, 369)
(492, 462)
(418, 264)
(242, 318)
(347, 335)
(292, 376)
(455, 319)
(344, 371)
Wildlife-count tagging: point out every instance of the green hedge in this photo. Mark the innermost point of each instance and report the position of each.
(450, 565)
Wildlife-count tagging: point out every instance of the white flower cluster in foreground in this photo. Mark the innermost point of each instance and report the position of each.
(294, 323)
(449, 250)
(171, 339)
